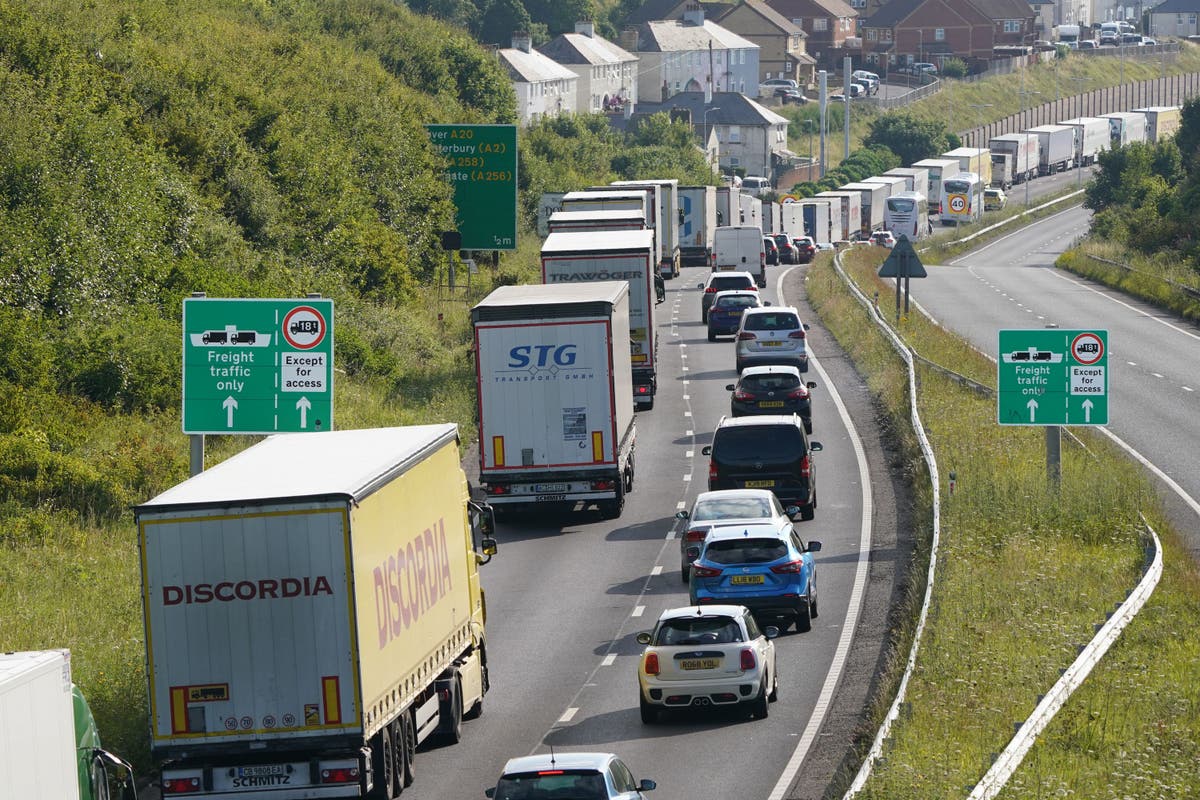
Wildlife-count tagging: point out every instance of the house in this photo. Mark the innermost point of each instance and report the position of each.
(607, 75)
(1014, 21)
(543, 87)
(691, 54)
(827, 24)
(1175, 18)
(904, 31)
(751, 138)
(782, 51)
(673, 9)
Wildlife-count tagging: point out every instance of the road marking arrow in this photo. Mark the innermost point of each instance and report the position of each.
(1087, 410)
(1032, 405)
(229, 405)
(304, 405)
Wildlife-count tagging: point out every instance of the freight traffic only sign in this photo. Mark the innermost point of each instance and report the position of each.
(1049, 376)
(257, 366)
(481, 166)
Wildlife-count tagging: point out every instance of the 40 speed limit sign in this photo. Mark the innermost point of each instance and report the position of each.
(957, 203)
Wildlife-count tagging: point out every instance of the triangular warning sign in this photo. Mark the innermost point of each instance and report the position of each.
(903, 261)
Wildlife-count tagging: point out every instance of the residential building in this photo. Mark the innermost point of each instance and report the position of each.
(1175, 18)
(1014, 21)
(782, 50)
(607, 75)
(691, 54)
(904, 31)
(543, 87)
(827, 24)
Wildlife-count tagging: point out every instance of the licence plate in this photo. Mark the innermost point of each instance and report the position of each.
(758, 484)
(770, 343)
(260, 771)
(771, 404)
(549, 488)
(700, 663)
(746, 580)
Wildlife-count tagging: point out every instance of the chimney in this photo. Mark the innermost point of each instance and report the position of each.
(521, 40)
(693, 15)
(629, 39)
(586, 28)
(708, 92)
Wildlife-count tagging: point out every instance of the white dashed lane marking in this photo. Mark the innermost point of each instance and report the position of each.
(638, 611)
(568, 715)
(657, 570)
(609, 660)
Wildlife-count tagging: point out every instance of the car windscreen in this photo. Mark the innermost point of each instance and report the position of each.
(772, 322)
(689, 631)
(758, 444)
(724, 282)
(769, 383)
(900, 205)
(744, 551)
(735, 303)
(567, 784)
(732, 508)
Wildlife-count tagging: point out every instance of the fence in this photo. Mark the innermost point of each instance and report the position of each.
(887, 103)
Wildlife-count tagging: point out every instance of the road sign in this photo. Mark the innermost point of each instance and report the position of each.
(481, 165)
(790, 198)
(257, 366)
(957, 202)
(903, 261)
(1049, 376)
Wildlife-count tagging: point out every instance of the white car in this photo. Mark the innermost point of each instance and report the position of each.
(771, 335)
(704, 657)
(595, 776)
(727, 507)
(870, 78)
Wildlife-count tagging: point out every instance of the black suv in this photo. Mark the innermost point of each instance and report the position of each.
(765, 452)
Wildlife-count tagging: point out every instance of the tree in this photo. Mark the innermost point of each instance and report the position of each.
(560, 16)
(909, 138)
(502, 19)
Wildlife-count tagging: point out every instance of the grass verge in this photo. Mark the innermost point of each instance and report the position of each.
(1025, 573)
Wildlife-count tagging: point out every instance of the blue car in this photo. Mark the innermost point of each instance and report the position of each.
(725, 313)
(769, 571)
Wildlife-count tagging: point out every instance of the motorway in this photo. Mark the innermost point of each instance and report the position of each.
(566, 596)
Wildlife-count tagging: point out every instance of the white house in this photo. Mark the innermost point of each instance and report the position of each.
(607, 74)
(543, 86)
(1175, 18)
(693, 54)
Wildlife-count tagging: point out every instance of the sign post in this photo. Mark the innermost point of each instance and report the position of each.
(902, 263)
(481, 165)
(257, 366)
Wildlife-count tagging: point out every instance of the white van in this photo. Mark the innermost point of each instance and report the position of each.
(740, 247)
(753, 184)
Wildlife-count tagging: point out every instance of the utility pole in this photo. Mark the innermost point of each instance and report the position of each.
(823, 96)
(846, 69)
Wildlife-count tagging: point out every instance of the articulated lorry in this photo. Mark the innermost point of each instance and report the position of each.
(698, 221)
(1125, 127)
(938, 168)
(850, 211)
(577, 221)
(608, 198)
(817, 220)
(1015, 158)
(615, 256)
(1161, 121)
(1091, 138)
(670, 214)
(555, 384)
(49, 746)
(874, 201)
(1056, 147)
(973, 159)
(916, 179)
(313, 613)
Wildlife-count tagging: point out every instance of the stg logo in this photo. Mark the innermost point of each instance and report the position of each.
(541, 355)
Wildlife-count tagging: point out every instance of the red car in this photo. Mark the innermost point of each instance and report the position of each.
(806, 249)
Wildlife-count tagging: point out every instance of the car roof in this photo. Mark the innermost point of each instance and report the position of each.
(745, 530)
(702, 611)
(735, 293)
(774, 309)
(759, 419)
(718, 493)
(558, 760)
(772, 369)
(726, 273)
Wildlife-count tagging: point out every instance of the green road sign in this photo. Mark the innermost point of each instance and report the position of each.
(1049, 376)
(481, 165)
(257, 366)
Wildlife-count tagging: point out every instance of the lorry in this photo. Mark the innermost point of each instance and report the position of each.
(1125, 127)
(792, 220)
(874, 200)
(817, 223)
(752, 210)
(547, 205)
(741, 248)
(1067, 34)
(671, 215)
(312, 613)
(555, 383)
(617, 220)
(1056, 147)
(837, 220)
(727, 214)
(916, 179)
(609, 198)
(851, 212)
(1092, 138)
(973, 159)
(1161, 121)
(49, 744)
(1015, 158)
(572, 258)
(698, 220)
(938, 167)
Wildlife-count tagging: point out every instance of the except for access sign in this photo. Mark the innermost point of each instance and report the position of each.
(1049, 376)
(257, 366)
(481, 165)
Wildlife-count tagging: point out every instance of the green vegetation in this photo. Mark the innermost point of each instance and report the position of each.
(495, 21)
(1025, 572)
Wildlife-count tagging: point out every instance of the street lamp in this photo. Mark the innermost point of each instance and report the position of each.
(708, 135)
(979, 116)
(1023, 94)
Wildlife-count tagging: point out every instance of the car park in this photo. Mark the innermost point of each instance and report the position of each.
(771, 573)
(883, 239)
(806, 249)
(592, 776)
(772, 251)
(723, 282)
(707, 657)
(725, 313)
(787, 250)
(771, 335)
(765, 452)
(727, 507)
(994, 199)
(772, 390)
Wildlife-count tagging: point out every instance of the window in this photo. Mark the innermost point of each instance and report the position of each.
(887, 34)
(939, 34)
(1012, 26)
(820, 24)
(735, 133)
(872, 35)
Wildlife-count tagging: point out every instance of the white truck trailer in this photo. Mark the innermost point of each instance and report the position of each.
(850, 210)
(49, 745)
(916, 179)
(751, 208)
(576, 221)
(1125, 127)
(1161, 121)
(571, 258)
(669, 212)
(1015, 158)
(609, 198)
(792, 220)
(973, 159)
(1056, 147)
(698, 220)
(837, 219)
(727, 214)
(874, 201)
(938, 168)
(817, 219)
(1091, 140)
(556, 419)
(312, 613)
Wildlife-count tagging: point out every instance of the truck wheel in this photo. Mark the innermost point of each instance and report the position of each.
(409, 743)
(453, 707)
(611, 509)
(388, 774)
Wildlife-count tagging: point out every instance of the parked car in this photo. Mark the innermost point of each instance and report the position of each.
(728, 506)
(789, 95)
(994, 199)
(722, 282)
(771, 335)
(1131, 38)
(1043, 46)
(598, 776)
(772, 390)
(756, 185)
(883, 239)
(1088, 44)
(871, 79)
(707, 657)
(769, 451)
(725, 313)
(787, 250)
(773, 575)
(806, 249)
(837, 98)
(767, 87)
(1146, 40)
(772, 250)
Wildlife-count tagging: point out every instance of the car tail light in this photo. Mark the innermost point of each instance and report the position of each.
(603, 486)
(651, 665)
(798, 394)
(711, 290)
(496, 489)
(642, 389)
(180, 785)
(751, 288)
(712, 472)
(790, 568)
(797, 334)
(340, 775)
(550, 772)
(695, 535)
(704, 572)
(745, 336)
(748, 660)
(805, 470)
(742, 395)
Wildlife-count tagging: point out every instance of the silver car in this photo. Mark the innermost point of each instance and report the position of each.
(771, 335)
